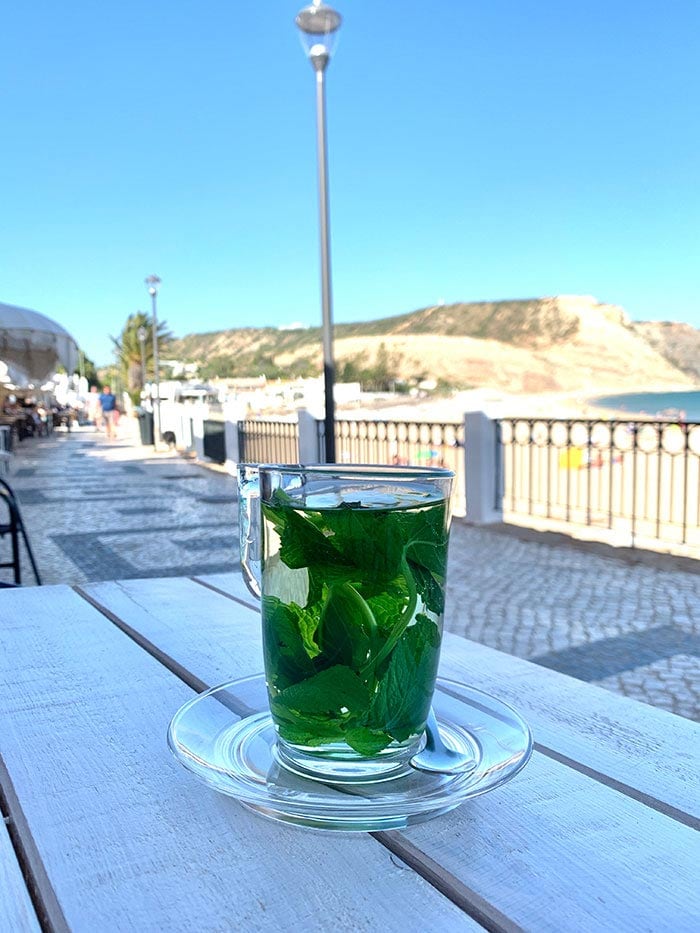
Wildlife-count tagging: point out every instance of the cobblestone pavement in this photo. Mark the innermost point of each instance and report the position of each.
(97, 511)
(629, 627)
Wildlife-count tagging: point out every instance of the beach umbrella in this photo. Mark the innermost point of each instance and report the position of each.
(33, 345)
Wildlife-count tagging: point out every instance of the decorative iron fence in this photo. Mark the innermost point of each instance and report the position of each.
(266, 441)
(405, 443)
(359, 441)
(636, 480)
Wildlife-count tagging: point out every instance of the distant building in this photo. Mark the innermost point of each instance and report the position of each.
(178, 368)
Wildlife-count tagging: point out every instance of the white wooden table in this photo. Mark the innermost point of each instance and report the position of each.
(105, 831)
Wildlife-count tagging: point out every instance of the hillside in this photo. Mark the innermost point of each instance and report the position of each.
(564, 343)
(677, 343)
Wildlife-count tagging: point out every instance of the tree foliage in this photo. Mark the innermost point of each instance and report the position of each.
(127, 348)
(380, 376)
(256, 363)
(89, 370)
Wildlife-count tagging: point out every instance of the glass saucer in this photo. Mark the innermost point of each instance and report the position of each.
(226, 737)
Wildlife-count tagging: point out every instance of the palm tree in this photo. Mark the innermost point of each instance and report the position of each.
(127, 347)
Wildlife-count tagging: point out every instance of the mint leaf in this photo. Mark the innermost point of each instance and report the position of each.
(426, 556)
(287, 659)
(347, 627)
(426, 537)
(429, 554)
(303, 729)
(429, 587)
(303, 544)
(400, 705)
(388, 606)
(337, 692)
(367, 539)
(324, 576)
(367, 741)
(307, 623)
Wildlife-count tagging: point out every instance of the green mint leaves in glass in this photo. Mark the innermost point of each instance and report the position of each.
(353, 567)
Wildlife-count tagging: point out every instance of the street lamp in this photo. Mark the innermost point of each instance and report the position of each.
(153, 283)
(142, 333)
(319, 25)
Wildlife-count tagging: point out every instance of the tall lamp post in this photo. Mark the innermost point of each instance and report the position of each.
(142, 333)
(152, 284)
(319, 25)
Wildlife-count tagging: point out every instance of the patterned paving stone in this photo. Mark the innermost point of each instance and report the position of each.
(673, 682)
(214, 542)
(30, 496)
(112, 512)
(97, 560)
(605, 657)
(593, 617)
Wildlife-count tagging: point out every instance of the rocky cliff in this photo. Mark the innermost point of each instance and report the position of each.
(677, 343)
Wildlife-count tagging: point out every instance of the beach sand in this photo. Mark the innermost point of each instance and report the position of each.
(496, 404)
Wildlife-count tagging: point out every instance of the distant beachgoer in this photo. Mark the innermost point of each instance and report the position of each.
(108, 404)
(93, 406)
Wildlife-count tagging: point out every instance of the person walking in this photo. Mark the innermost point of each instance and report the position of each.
(108, 404)
(93, 408)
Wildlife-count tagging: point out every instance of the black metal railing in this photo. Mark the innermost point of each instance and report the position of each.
(636, 480)
(262, 440)
(404, 443)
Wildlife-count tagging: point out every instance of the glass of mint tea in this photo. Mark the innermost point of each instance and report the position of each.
(349, 563)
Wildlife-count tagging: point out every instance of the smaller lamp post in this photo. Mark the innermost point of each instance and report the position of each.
(152, 284)
(142, 333)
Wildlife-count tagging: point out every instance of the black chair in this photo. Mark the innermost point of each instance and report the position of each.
(15, 528)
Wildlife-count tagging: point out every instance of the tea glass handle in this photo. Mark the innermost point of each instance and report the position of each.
(249, 526)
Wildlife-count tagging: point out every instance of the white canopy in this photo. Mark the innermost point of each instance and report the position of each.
(34, 345)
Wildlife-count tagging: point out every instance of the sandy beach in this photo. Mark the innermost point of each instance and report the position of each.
(498, 404)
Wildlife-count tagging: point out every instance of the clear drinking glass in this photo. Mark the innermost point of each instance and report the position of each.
(349, 563)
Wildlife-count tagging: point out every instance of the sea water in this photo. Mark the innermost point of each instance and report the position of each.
(682, 405)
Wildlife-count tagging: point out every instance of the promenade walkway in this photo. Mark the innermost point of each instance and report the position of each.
(98, 511)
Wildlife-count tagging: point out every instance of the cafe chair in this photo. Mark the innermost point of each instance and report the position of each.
(5, 448)
(14, 527)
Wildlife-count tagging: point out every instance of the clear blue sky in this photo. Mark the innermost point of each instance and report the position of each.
(477, 151)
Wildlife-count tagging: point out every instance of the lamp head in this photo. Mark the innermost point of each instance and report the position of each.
(152, 283)
(142, 333)
(319, 24)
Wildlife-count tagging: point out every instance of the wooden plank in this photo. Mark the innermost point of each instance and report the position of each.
(646, 749)
(16, 910)
(126, 837)
(555, 849)
(230, 583)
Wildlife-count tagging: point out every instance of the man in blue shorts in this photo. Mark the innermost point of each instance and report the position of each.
(108, 403)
